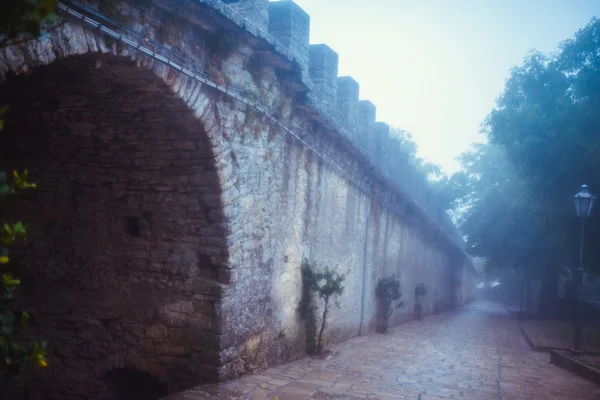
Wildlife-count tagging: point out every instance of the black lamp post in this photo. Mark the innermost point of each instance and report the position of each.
(584, 201)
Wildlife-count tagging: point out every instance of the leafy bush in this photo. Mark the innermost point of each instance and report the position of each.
(387, 291)
(420, 292)
(327, 285)
(18, 356)
(307, 308)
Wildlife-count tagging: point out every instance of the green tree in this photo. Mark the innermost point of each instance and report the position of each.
(442, 191)
(499, 220)
(408, 149)
(497, 216)
(544, 143)
(387, 291)
(328, 285)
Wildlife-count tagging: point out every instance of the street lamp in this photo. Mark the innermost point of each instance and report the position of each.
(584, 201)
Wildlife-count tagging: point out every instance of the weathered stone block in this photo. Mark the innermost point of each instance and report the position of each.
(257, 11)
(381, 132)
(347, 102)
(323, 70)
(290, 24)
(367, 113)
(365, 129)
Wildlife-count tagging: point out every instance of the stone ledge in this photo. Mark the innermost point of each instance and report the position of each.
(548, 335)
(576, 364)
(533, 345)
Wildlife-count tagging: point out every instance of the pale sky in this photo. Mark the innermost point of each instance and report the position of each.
(436, 67)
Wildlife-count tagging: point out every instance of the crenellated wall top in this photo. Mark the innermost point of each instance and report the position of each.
(286, 26)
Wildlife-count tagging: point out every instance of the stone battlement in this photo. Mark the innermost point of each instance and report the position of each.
(337, 98)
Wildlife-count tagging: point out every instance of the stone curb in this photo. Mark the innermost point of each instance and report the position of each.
(561, 359)
(549, 349)
(537, 347)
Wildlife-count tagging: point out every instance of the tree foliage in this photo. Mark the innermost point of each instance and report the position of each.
(408, 148)
(307, 309)
(498, 220)
(328, 285)
(387, 291)
(442, 189)
(18, 355)
(543, 143)
(24, 18)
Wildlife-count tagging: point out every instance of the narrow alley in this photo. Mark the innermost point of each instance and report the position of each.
(476, 353)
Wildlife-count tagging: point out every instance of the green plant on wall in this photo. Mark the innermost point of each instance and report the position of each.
(328, 286)
(387, 292)
(24, 18)
(307, 307)
(420, 292)
(18, 355)
(19, 19)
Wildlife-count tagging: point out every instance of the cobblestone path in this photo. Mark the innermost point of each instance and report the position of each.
(476, 353)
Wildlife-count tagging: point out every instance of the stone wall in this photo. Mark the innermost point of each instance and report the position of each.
(174, 212)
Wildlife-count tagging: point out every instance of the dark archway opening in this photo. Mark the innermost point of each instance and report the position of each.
(125, 202)
(132, 384)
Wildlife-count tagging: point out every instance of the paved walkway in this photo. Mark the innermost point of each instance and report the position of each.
(474, 353)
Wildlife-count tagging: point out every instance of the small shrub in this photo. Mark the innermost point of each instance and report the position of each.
(328, 285)
(420, 292)
(18, 356)
(387, 291)
(307, 308)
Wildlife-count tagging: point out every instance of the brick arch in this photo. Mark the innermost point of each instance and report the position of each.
(128, 238)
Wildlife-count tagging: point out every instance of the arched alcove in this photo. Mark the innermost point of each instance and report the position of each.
(121, 245)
